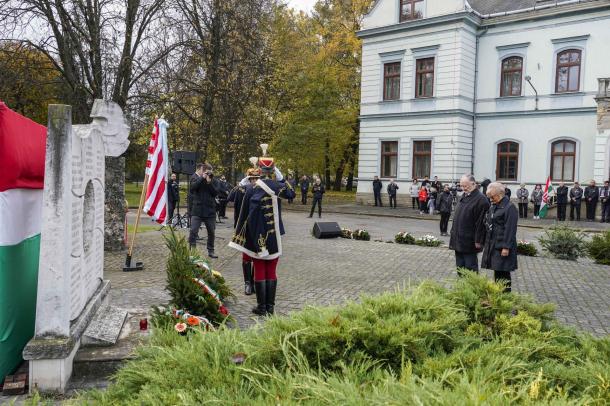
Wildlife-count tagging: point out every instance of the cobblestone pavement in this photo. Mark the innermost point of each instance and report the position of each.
(331, 271)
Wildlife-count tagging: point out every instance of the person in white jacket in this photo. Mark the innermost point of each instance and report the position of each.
(414, 191)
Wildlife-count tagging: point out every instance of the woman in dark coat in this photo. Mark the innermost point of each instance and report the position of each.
(500, 252)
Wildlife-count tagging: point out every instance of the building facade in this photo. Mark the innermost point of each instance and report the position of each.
(507, 90)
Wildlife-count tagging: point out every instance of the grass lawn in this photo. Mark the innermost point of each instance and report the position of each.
(142, 228)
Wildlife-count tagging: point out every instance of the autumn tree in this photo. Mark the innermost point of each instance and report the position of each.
(101, 49)
(29, 82)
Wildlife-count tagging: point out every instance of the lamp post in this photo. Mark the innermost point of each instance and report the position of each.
(529, 80)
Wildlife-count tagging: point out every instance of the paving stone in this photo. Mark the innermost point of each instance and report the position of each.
(333, 271)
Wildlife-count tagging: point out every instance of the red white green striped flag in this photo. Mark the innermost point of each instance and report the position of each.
(22, 160)
(546, 198)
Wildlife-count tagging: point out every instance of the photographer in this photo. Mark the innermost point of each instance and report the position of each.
(204, 192)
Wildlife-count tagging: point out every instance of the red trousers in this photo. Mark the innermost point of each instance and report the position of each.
(265, 269)
(245, 258)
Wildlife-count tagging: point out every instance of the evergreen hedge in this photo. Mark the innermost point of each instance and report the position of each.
(469, 345)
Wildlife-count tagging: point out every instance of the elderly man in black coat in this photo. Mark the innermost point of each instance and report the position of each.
(468, 229)
(500, 253)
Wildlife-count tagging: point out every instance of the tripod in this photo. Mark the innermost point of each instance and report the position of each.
(178, 220)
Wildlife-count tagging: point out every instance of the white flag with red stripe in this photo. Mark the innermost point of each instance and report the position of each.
(156, 169)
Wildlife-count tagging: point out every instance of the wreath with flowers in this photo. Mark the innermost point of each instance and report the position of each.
(404, 238)
(197, 291)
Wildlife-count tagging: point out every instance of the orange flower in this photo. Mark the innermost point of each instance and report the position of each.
(193, 321)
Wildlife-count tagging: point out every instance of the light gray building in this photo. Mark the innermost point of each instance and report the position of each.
(504, 89)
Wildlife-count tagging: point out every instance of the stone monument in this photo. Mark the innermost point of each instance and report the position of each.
(71, 288)
(601, 168)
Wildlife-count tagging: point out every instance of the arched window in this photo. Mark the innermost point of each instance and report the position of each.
(411, 10)
(568, 71)
(512, 73)
(507, 162)
(563, 160)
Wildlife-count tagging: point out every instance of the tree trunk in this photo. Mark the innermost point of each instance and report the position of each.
(352, 159)
(339, 176)
(114, 204)
(327, 162)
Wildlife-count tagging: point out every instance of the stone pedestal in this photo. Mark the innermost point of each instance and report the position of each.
(601, 168)
(70, 276)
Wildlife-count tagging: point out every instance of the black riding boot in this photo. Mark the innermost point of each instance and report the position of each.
(248, 278)
(271, 288)
(261, 298)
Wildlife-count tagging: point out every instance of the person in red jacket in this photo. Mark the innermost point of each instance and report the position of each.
(423, 199)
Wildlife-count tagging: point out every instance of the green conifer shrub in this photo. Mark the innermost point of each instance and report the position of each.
(563, 243)
(471, 344)
(599, 248)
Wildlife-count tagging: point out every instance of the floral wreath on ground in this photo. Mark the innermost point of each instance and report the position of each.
(361, 235)
(358, 234)
(346, 233)
(428, 241)
(197, 291)
(404, 238)
(526, 248)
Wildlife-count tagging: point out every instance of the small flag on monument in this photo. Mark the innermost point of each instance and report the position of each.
(546, 198)
(156, 169)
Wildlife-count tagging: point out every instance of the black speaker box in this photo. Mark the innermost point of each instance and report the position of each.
(326, 230)
(185, 162)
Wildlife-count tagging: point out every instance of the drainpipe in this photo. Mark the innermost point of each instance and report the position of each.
(474, 102)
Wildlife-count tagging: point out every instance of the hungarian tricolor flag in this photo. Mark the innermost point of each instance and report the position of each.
(22, 161)
(156, 170)
(546, 198)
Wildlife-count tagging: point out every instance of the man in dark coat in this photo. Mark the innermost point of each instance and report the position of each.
(591, 196)
(223, 193)
(304, 189)
(468, 229)
(500, 252)
(377, 185)
(604, 197)
(575, 201)
(204, 192)
(436, 184)
(562, 201)
(173, 196)
(318, 191)
(392, 190)
(445, 204)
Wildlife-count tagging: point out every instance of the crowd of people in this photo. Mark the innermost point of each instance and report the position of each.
(434, 197)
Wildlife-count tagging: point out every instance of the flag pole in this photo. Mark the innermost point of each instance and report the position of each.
(128, 264)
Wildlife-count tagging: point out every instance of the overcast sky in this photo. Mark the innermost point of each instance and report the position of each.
(305, 5)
